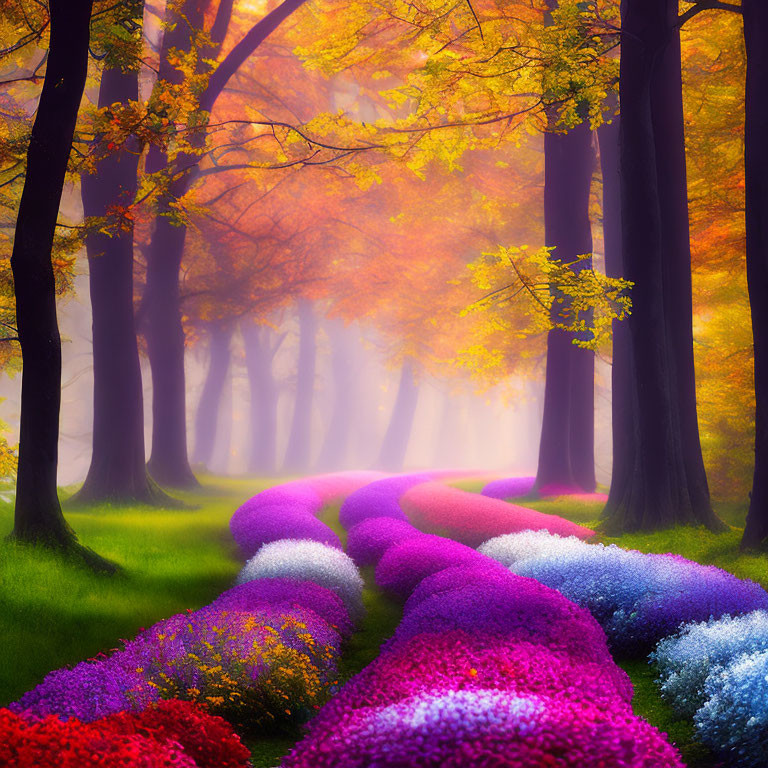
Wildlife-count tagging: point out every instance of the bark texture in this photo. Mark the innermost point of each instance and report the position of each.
(38, 516)
(659, 479)
(117, 473)
(566, 448)
(756, 164)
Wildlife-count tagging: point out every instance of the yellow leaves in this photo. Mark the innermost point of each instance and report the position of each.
(528, 292)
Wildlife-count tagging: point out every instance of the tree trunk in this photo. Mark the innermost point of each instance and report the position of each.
(661, 486)
(264, 394)
(168, 463)
(669, 136)
(210, 400)
(395, 444)
(118, 472)
(334, 450)
(38, 516)
(566, 449)
(756, 165)
(298, 452)
(622, 423)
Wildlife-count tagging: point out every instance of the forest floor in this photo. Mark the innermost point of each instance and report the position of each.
(54, 613)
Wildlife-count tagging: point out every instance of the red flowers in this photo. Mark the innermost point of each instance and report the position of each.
(173, 734)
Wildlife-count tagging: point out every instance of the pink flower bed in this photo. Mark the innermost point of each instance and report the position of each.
(472, 518)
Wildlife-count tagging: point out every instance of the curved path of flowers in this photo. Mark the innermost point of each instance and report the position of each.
(501, 659)
(264, 652)
(485, 669)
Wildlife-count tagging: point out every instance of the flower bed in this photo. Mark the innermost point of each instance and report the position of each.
(717, 673)
(485, 669)
(171, 734)
(472, 518)
(637, 598)
(515, 487)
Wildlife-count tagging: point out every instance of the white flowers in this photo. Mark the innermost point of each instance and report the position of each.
(305, 560)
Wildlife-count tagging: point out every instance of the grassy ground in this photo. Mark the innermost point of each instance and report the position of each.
(54, 613)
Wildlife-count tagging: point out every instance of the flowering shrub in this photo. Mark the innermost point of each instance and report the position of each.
(53, 743)
(472, 519)
(250, 668)
(208, 740)
(370, 539)
(459, 660)
(685, 660)
(453, 729)
(509, 487)
(303, 560)
(513, 548)
(637, 598)
(272, 522)
(519, 611)
(734, 719)
(338, 485)
(286, 593)
(379, 499)
(88, 691)
(405, 564)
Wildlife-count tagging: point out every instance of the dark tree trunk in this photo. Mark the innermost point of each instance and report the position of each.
(118, 470)
(622, 423)
(756, 165)
(161, 304)
(661, 485)
(395, 444)
(299, 450)
(334, 450)
(206, 422)
(566, 449)
(264, 394)
(168, 463)
(38, 516)
(667, 115)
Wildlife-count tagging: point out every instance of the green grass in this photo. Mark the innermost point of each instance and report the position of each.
(54, 613)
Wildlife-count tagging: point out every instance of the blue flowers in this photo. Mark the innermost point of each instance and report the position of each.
(717, 672)
(637, 598)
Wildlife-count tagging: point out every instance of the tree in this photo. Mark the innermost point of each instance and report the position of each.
(38, 516)
(117, 472)
(162, 315)
(659, 478)
(756, 167)
(566, 451)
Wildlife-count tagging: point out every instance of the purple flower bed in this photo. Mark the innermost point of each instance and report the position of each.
(509, 487)
(265, 651)
(370, 539)
(379, 499)
(405, 564)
